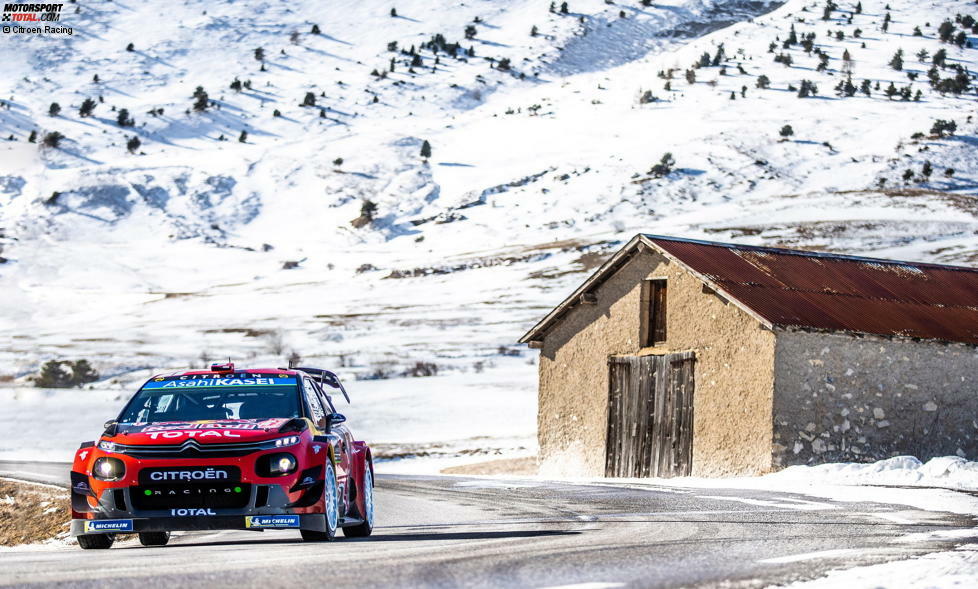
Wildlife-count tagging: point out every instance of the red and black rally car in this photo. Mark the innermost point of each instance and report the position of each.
(224, 449)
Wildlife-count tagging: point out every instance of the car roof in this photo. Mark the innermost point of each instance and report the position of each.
(231, 372)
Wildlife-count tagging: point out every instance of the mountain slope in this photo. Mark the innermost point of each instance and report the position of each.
(194, 247)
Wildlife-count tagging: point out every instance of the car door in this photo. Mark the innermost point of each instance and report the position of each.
(344, 440)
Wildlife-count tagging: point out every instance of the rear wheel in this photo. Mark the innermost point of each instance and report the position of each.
(96, 541)
(154, 538)
(332, 515)
(364, 529)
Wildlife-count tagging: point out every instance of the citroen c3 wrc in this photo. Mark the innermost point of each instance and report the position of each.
(225, 449)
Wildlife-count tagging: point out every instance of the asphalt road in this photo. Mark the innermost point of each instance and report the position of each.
(470, 532)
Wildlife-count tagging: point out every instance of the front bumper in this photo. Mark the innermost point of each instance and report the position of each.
(190, 524)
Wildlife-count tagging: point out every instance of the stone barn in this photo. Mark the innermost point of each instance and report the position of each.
(681, 357)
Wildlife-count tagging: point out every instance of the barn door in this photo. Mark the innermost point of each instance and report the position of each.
(650, 416)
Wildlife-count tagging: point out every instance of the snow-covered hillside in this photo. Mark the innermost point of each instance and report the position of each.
(325, 232)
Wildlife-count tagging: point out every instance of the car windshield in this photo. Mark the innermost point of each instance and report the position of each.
(196, 400)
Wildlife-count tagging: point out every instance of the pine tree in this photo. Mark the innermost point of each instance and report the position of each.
(368, 210)
(865, 88)
(664, 167)
(315, 30)
(426, 149)
(130, 47)
(32, 138)
(133, 144)
(470, 31)
(927, 170)
(87, 106)
(940, 58)
(309, 100)
(897, 61)
(393, 13)
(54, 109)
(786, 131)
(95, 79)
(243, 137)
(691, 76)
(122, 118)
(763, 82)
(338, 162)
(82, 373)
(260, 54)
(201, 101)
(53, 375)
(563, 8)
(236, 85)
(534, 31)
(923, 56)
(945, 31)
(891, 91)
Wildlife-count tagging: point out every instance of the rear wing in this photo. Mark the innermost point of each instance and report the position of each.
(326, 378)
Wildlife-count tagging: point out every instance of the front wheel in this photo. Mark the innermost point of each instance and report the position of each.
(364, 529)
(332, 515)
(154, 538)
(96, 541)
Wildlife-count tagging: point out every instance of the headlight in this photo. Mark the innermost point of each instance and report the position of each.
(276, 465)
(108, 446)
(286, 441)
(108, 469)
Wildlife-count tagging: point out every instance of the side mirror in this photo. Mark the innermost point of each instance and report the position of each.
(110, 423)
(335, 418)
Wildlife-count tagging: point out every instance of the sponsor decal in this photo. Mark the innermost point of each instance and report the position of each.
(203, 429)
(108, 525)
(189, 491)
(188, 475)
(192, 511)
(180, 382)
(82, 455)
(26, 19)
(177, 474)
(271, 521)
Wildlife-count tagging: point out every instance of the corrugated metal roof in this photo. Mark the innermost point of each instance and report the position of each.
(815, 290)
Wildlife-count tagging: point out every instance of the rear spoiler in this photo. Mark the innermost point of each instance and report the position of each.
(326, 378)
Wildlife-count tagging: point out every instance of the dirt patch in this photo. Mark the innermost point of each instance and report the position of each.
(31, 513)
(527, 466)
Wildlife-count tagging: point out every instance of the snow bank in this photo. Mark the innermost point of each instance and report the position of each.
(951, 472)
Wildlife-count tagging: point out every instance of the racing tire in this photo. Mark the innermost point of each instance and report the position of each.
(96, 541)
(154, 538)
(332, 515)
(364, 529)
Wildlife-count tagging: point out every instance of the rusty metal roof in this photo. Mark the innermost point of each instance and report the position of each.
(815, 290)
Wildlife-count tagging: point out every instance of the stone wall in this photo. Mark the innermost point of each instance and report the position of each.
(848, 398)
(734, 373)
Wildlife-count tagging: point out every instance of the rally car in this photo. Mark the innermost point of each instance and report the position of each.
(224, 449)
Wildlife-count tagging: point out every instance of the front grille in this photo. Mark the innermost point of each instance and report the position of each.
(192, 449)
(231, 495)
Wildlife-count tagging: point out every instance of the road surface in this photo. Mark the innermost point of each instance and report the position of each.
(470, 532)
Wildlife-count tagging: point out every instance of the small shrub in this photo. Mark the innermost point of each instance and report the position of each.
(65, 374)
(52, 139)
(786, 131)
(133, 144)
(664, 167)
(421, 369)
(54, 109)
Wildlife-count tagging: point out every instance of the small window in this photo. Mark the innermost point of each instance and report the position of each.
(654, 312)
(315, 405)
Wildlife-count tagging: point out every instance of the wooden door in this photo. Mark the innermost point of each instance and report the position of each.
(650, 416)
